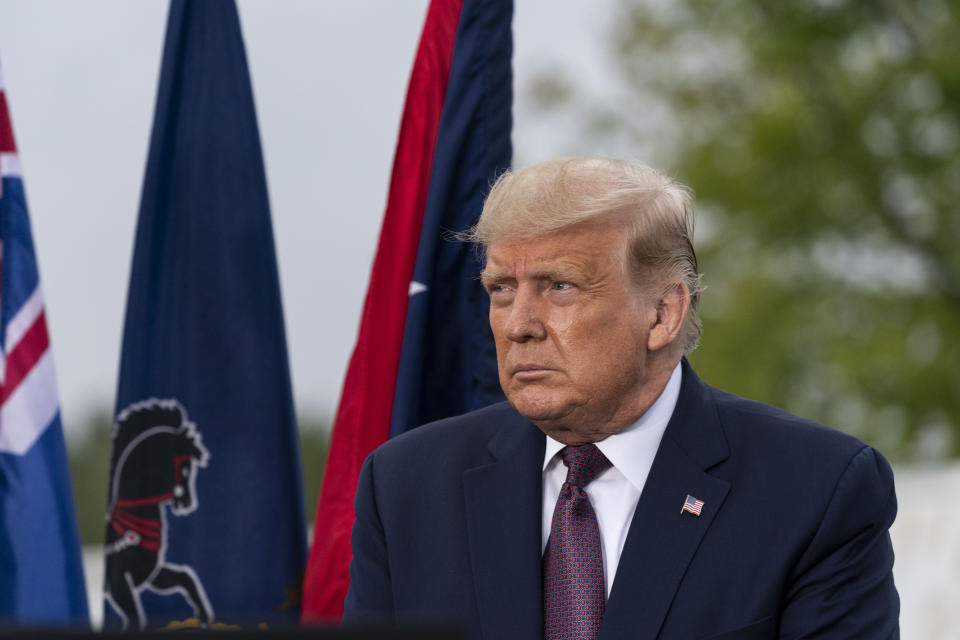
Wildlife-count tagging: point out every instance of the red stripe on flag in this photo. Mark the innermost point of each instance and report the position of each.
(7, 142)
(25, 356)
(138, 522)
(139, 502)
(146, 531)
(366, 403)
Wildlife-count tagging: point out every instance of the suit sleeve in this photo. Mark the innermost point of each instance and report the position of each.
(843, 585)
(370, 597)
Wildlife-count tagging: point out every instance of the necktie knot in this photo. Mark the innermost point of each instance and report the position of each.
(584, 463)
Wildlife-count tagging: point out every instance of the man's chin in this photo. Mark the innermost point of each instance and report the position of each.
(538, 411)
(559, 420)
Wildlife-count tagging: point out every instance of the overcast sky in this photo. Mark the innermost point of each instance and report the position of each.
(329, 79)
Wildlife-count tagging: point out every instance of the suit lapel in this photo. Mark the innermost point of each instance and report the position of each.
(662, 540)
(503, 526)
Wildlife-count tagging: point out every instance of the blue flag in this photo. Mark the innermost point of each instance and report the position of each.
(205, 516)
(41, 574)
(448, 364)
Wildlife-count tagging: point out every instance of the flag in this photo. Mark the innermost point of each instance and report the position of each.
(424, 350)
(41, 574)
(205, 517)
(692, 505)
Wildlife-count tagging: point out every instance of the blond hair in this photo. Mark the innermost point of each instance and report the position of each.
(656, 211)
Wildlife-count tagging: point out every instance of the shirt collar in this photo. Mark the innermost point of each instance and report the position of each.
(632, 450)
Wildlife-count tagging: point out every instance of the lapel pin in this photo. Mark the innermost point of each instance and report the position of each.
(692, 505)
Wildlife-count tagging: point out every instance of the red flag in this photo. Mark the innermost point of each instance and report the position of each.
(363, 419)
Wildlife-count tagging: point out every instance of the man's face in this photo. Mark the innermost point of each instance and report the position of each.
(571, 331)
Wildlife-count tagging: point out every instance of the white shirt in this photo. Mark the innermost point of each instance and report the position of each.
(615, 492)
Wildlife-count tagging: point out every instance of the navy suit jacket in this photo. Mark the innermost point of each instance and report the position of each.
(792, 540)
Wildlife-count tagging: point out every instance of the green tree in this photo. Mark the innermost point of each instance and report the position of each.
(314, 445)
(89, 452)
(821, 138)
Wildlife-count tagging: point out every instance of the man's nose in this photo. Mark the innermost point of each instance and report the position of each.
(525, 321)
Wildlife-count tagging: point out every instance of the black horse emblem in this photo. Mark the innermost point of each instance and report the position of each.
(156, 454)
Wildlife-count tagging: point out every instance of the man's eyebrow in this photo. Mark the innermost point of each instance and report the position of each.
(558, 272)
(487, 277)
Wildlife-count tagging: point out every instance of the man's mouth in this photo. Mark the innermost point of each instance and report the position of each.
(530, 371)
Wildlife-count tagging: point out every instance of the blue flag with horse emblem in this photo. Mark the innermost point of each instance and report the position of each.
(205, 521)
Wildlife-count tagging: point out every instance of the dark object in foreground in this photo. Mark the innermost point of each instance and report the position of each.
(313, 633)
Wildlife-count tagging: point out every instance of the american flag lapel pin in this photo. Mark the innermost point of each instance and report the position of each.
(692, 505)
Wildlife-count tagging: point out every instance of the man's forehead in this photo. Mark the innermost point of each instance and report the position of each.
(573, 245)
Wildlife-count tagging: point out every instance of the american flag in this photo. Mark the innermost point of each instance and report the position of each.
(692, 505)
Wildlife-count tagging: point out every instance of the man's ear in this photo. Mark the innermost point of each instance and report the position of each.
(672, 309)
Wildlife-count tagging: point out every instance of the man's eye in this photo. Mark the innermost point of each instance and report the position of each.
(561, 286)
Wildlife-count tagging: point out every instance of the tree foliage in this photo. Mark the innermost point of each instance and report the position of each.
(822, 138)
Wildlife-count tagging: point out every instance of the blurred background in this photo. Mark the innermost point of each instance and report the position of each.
(821, 138)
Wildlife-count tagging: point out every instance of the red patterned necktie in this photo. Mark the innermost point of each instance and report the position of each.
(573, 586)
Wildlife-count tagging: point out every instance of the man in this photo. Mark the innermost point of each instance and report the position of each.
(616, 495)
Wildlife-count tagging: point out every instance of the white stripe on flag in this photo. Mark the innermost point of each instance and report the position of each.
(23, 320)
(31, 408)
(10, 165)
